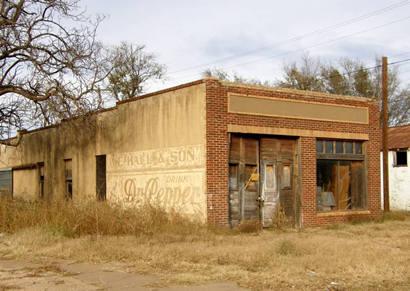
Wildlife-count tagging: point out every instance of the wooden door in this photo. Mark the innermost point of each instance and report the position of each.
(261, 178)
(278, 179)
(269, 192)
(243, 179)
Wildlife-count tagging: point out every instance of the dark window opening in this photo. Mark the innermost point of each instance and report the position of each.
(41, 180)
(339, 147)
(358, 148)
(401, 158)
(101, 170)
(348, 147)
(319, 146)
(329, 147)
(68, 178)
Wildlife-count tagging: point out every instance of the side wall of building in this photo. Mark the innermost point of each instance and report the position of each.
(220, 123)
(154, 148)
(399, 183)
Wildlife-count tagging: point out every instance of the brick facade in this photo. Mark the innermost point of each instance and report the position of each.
(217, 148)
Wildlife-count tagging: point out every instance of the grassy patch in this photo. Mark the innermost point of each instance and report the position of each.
(371, 255)
(251, 226)
(74, 219)
(287, 248)
(393, 216)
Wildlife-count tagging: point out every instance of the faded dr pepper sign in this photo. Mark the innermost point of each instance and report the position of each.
(169, 177)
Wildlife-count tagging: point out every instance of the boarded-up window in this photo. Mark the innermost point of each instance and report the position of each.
(251, 185)
(269, 176)
(68, 165)
(234, 153)
(285, 177)
(101, 182)
(251, 150)
(233, 177)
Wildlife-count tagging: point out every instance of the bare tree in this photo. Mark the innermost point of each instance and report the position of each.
(303, 77)
(50, 61)
(131, 67)
(349, 77)
(225, 76)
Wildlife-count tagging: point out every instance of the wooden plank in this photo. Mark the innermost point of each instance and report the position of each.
(357, 184)
(234, 151)
(251, 150)
(344, 185)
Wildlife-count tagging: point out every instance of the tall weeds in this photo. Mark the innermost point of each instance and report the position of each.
(74, 219)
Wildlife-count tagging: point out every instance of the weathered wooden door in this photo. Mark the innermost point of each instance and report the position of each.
(243, 179)
(278, 179)
(261, 178)
(269, 198)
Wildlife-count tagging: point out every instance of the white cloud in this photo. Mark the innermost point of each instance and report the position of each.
(186, 34)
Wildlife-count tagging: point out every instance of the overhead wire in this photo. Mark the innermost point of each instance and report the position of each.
(312, 46)
(396, 63)
(337, 25)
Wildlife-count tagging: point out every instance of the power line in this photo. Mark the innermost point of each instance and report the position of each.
(318, 44)
(323, 43)
(398, 62)
(337, 25)
(364, 69)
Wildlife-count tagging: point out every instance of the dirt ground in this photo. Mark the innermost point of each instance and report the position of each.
(66, 275)
(354, 256)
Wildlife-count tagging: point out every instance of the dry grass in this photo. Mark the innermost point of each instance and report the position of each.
(360, 256)
(91, 217)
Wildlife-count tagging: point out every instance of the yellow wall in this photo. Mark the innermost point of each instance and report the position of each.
(165, 127)
(26, 184)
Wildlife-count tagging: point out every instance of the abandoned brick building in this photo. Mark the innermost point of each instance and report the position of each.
(225, 152)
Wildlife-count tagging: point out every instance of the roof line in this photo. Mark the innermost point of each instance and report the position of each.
(299, 92)
(197, 82)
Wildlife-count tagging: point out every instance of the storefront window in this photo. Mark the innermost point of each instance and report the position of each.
(340, 178)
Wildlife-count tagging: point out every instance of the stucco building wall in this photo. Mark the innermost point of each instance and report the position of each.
(153, 146)
(399, 183)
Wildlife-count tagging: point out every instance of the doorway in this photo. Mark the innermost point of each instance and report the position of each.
(262, 179)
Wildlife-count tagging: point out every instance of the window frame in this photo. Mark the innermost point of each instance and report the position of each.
(358, 154)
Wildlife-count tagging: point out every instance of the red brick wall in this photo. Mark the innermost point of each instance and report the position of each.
(218, 118)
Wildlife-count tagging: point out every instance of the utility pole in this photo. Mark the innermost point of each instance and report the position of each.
(384, 139)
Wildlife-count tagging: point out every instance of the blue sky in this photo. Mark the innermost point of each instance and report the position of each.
(255, 38)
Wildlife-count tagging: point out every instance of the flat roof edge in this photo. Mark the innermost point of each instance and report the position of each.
(298, 92)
